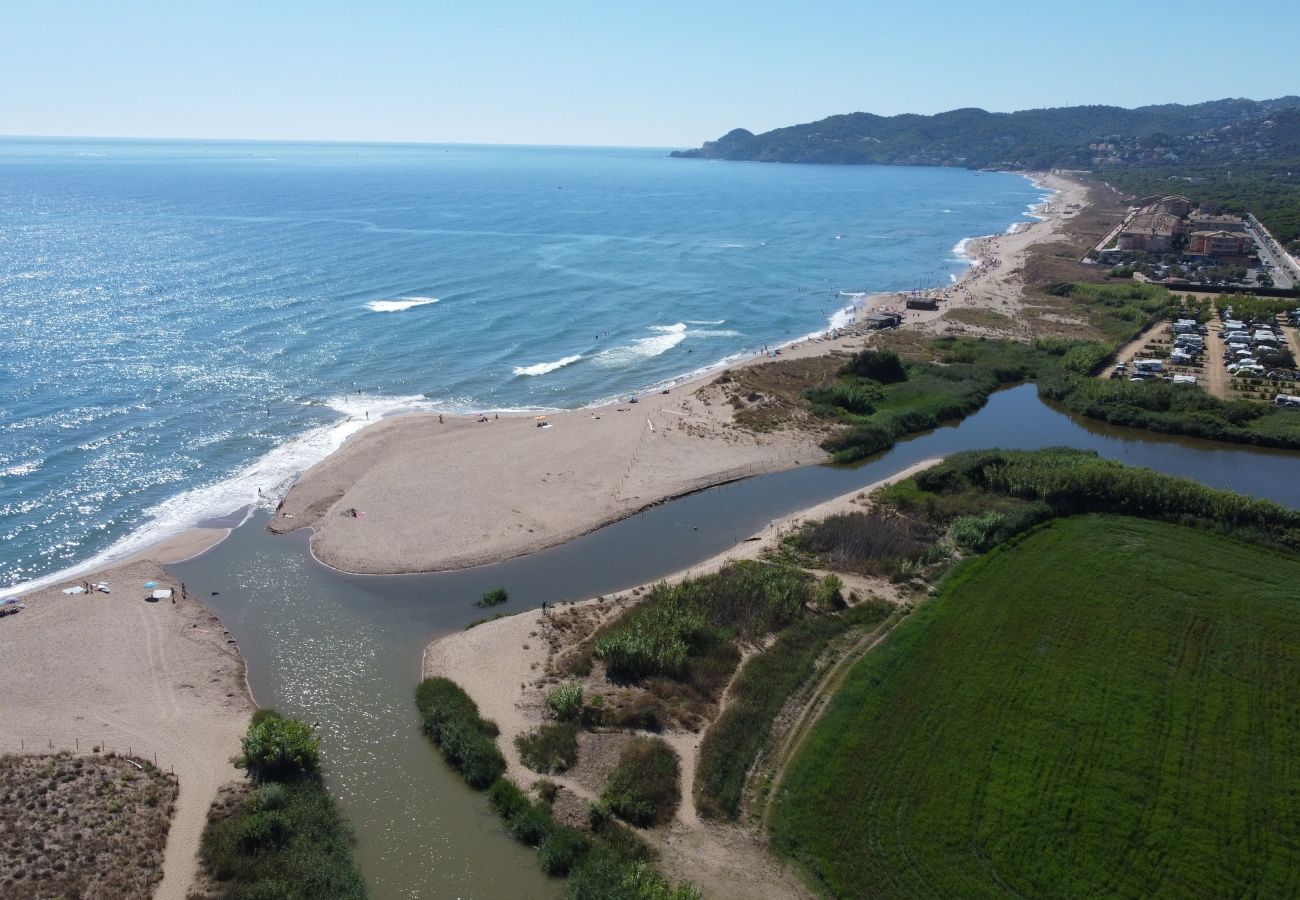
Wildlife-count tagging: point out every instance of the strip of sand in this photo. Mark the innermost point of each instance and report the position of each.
(119, 672)
(499, 664)
(424, 492)
(995, 280)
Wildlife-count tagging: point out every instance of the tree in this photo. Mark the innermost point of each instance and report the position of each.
(280, 749)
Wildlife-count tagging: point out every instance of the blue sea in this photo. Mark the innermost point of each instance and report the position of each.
(187, 323)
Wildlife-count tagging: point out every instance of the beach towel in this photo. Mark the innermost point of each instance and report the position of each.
(75, 589)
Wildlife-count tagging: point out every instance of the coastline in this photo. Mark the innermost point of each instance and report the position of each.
(668, 470)
(433, 493)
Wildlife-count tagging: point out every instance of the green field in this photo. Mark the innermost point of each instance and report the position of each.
(1107, 707)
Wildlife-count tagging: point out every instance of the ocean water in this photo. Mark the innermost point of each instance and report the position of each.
(186, 324)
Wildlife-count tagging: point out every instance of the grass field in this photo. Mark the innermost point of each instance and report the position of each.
(1105, 707)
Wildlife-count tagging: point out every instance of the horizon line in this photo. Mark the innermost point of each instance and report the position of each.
(282, 140)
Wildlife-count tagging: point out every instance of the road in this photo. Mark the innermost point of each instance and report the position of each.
(1284, 271)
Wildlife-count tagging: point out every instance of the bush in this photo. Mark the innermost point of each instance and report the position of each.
(263, 831)
(549, 748)
(494, 597)
(452, 721)
(561, 849)
(299, 851)
(643, 788)
(828, 593)
(677, 624)
(278, 749)
(472, 753)
(883, 366)
(602, 875)
(565, 700)
(868, 543)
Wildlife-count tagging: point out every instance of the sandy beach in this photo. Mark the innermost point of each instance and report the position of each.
(500, 664)
(424, 492)
(995, 281)
(118, 672)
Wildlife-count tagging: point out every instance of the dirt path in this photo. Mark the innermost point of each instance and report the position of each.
(812, 708)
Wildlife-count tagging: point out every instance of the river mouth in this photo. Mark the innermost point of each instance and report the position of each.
(344, 650)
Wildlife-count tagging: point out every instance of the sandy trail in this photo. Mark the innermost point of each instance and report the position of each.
(121, 673)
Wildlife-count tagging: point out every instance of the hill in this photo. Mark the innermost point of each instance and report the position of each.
(1071, 137)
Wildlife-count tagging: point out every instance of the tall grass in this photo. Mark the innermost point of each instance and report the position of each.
(283, 838)
(452, 721)
(644, 787)
(758, 694)
(676, 625)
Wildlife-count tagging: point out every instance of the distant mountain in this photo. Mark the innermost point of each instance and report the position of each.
(1071, 137)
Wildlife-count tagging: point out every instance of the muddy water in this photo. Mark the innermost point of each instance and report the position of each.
(344, 651)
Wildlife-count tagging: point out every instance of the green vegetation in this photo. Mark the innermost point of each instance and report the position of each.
(279, 749)
(1269, 189)
(685, 631)
(282, 836)
(762, 688)
(451, 720)
(603, 876)
(1102, 707)
(609, 861)
(962, 372)
(866, 543)
(565, 700)
(643, 788)
(494, 597)
(1007, 491)
(549, 748)
(1033, 139)
(962, 375)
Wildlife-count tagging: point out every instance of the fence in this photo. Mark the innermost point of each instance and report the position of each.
(83, 746)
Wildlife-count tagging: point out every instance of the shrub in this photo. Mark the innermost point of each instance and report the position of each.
(299, 851)
(868, 543)
(643, 788)
(561, 849)
(263, 831)
(565, 700)
(883, 366)
(530, 824)
(549, 748)
(674, 625)
(276, 748)
(828, 593)
(494, 597)
(472, 753)
(602, 875)
(506, 798)
(452, 721)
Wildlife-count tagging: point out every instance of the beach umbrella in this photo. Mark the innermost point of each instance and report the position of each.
(151, 584)
(9, 601)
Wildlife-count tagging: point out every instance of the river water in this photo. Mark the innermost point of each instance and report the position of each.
(344, 650)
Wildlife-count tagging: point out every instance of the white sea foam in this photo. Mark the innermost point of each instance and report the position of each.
(543, 368)
(272, 474)
(669, 336)
(401, 304)
(702, 322)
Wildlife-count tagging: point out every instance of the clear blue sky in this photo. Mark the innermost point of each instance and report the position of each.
(656, 74)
